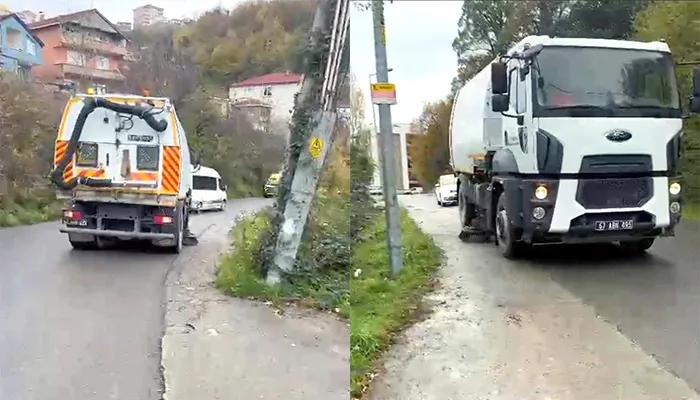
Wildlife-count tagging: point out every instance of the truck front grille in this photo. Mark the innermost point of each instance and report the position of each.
(596, 194)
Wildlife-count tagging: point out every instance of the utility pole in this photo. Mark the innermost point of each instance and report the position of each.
(386, 145)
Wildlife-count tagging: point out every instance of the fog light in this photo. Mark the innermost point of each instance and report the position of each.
(675, 207)
(538, 213)
(541, 192)
(674, 188)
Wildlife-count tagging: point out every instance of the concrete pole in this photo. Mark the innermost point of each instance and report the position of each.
(386, 144)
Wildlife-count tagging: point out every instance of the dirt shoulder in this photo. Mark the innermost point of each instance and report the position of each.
(503, 332)
(218, 347)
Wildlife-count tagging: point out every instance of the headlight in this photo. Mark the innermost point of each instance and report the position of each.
(674, 188)
(541, 192)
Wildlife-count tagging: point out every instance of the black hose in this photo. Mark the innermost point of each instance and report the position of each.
(90, 104)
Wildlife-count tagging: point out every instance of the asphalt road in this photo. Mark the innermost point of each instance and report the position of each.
(84, 325)
(653, 300)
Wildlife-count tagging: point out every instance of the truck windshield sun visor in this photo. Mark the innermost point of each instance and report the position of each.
(90, 104)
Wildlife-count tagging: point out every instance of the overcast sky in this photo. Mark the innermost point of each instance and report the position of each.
(118, 10)
(419, 38)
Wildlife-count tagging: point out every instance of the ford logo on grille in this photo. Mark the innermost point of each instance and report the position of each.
(618, 135)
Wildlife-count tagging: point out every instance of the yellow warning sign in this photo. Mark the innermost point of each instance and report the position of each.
(315, 147)
(383, 93)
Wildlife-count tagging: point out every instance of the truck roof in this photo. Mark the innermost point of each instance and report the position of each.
(588, 42)
(125, 97)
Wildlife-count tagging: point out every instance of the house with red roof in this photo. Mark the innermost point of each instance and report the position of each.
(268, 97)
(82, 47)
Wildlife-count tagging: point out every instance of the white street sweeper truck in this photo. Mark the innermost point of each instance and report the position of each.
(571, 141)
(123, 163)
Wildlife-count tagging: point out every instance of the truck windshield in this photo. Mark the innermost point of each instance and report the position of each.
(604, 82)
(203, 183)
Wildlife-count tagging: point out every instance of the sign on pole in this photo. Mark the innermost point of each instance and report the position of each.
(315, 147)
(383, 93)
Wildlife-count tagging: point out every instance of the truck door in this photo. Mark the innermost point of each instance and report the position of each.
(519, 131)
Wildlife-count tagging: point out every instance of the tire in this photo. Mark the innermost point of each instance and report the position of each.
(462, 208)
(505, 232)
(223, 206)
(637, 247)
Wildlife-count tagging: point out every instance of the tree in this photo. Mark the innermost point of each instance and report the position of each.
(158, 66)
(255, 38)
(606, 19)
(429, 149)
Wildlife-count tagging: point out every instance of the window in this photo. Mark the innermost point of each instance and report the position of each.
(267, 92)
(446, 180)
(203, 183)
(513, 88)
(76, 58)
(147, 158)
(14, 39)
(102, 62)
(521, 96)
(31, 47)
(604, 82)
(87, 155)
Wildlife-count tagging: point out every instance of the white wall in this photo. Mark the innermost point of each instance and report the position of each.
(281, 97)
(400, 130)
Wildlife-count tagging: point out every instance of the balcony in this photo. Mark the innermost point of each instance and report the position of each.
(68, 71)
(79, 41)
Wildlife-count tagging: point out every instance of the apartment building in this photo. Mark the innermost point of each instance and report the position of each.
(83, 48)
(148, 15)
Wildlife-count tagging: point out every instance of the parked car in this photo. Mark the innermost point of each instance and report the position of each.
(446, 190)
(270, 189)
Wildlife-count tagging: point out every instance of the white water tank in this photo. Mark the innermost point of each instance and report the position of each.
(474, 127)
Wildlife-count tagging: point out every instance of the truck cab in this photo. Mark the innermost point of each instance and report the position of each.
(123, 164)
(571, 141)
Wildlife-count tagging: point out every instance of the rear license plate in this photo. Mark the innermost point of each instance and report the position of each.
(80, 222)
(616, 225)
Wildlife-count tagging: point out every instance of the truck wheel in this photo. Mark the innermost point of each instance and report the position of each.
(507, 244)
(637, 247)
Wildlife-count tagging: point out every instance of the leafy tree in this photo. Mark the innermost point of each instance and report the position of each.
(607, 19)
(429, 149)
(255, 38)
(677, 23)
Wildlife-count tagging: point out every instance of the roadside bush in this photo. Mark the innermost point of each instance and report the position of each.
(29, 118)
(321, 273)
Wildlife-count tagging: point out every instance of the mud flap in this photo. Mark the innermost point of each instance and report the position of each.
(189, 239)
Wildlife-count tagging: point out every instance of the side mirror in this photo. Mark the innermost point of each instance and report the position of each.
(223, 187)
(437, 185)
(500, 102)
(499, 78)
(694, 105)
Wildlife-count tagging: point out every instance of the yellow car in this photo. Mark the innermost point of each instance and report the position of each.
(273, 181)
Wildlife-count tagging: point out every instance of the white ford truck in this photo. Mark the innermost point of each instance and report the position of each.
(123, 163)
(571, 141)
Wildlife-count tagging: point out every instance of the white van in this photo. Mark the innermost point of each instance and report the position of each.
(208, 191)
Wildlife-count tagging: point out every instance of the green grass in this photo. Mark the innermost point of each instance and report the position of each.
(382, 306)
(18, 215)
(691, 212)
(321, 276)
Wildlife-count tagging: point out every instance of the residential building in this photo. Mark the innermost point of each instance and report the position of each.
(84, 48)
(148, 15)
(20, 49)
(273, 94)
(401, 131)
(29, 16)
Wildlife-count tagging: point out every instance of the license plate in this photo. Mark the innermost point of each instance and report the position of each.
(81, 222)
(617, 225)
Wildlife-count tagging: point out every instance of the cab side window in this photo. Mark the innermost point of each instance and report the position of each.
(521, 95)
(513, 88)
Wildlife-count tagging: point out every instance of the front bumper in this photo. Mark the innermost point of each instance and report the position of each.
(643, 219)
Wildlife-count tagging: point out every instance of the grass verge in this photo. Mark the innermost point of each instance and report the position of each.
(691, 212)
(380, 306)
(19, 215)
(321, 276)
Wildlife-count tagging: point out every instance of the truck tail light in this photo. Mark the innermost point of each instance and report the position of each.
(162, 220)
(72, 215)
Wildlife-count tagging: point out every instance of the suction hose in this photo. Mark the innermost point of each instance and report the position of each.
(90, 104)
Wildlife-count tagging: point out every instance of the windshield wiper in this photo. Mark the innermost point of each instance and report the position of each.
(578, 107)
